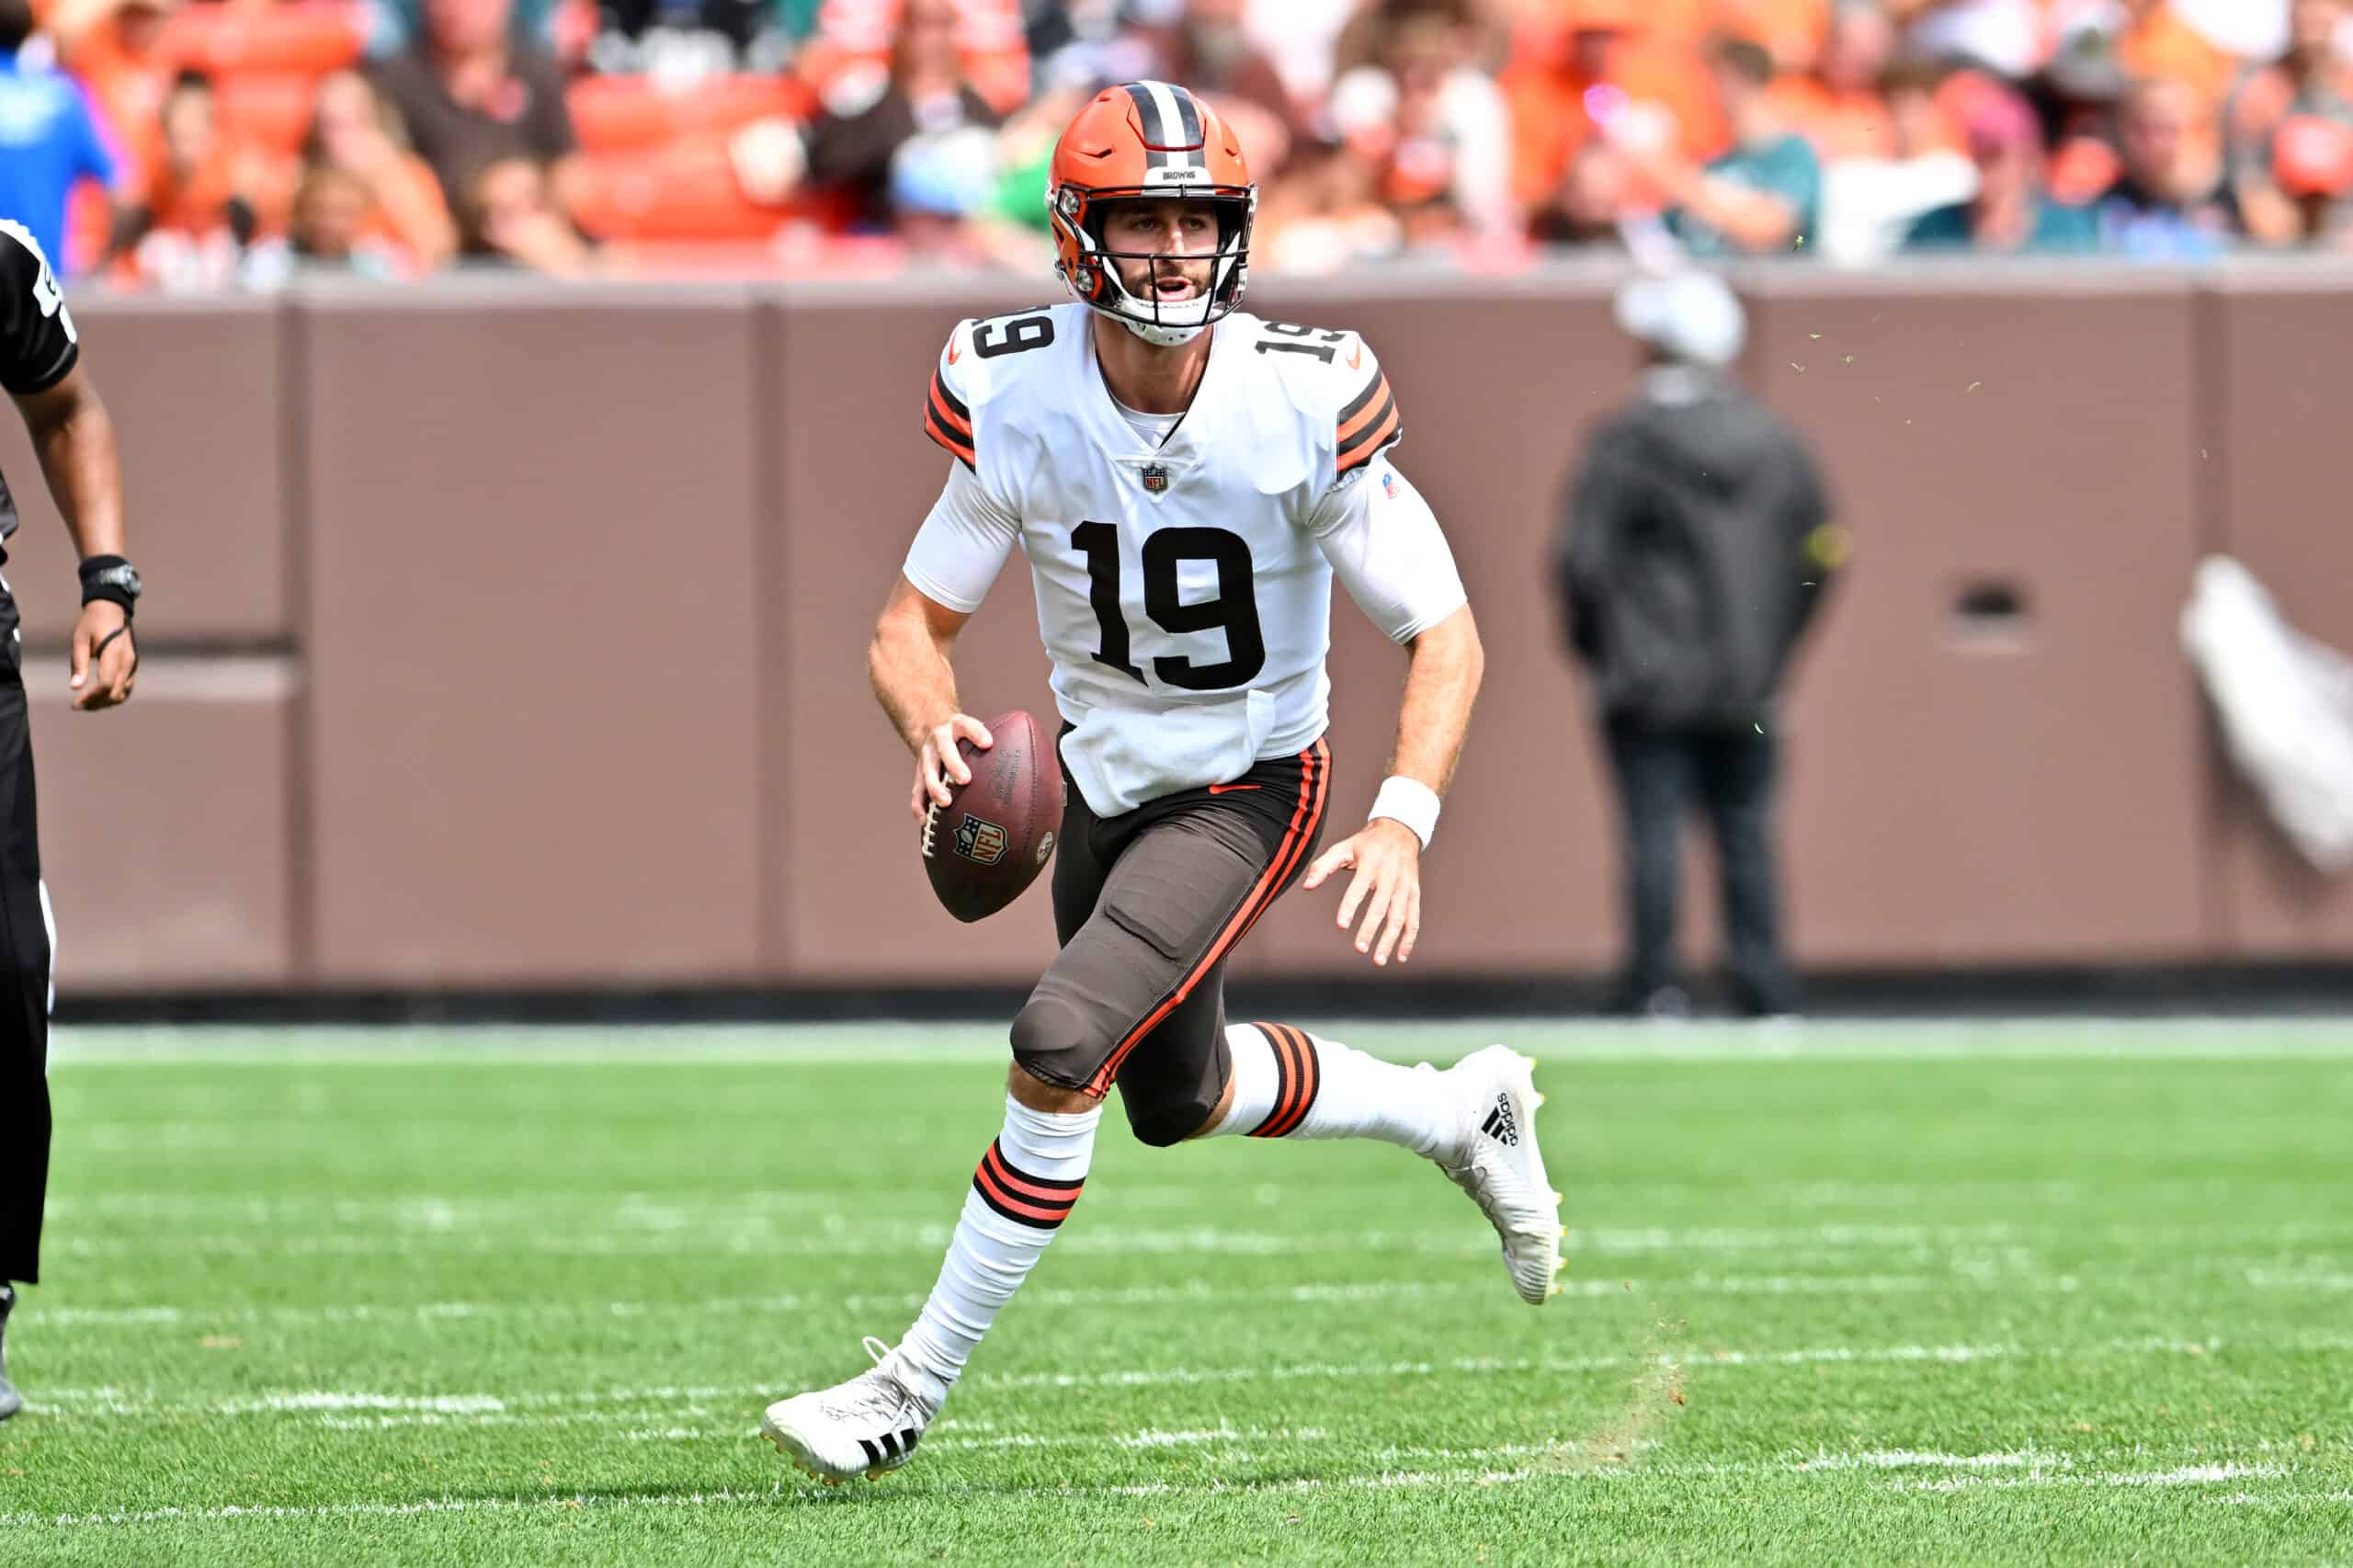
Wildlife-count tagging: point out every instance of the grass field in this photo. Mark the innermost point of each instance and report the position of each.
(1966, 1293)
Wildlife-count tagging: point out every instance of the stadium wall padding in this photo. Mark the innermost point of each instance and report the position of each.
(507, 637)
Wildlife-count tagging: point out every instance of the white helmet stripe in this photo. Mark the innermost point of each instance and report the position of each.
(1171, 133)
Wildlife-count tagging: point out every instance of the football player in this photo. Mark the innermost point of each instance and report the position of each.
(40, 367)
(1185, 481)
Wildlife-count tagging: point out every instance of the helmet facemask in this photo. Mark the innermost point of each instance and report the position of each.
(1090, 267)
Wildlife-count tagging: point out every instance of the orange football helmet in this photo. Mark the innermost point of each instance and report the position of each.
(1149, 140)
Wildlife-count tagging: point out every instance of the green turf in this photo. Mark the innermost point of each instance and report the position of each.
(1847, 1295)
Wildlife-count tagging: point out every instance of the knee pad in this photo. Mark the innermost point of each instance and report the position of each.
(1163, 1123)
(1056, 1044)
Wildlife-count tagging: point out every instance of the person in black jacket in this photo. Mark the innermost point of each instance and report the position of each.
(40, 367)
(1696, 545)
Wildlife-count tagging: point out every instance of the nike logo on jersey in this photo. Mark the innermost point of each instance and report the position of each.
(952, 351)
(1230, 789)
(1356, 356)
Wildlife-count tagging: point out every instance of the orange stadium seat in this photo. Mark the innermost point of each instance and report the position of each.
(268, 111)
(635, 114)
(312, 35)
(681, 193)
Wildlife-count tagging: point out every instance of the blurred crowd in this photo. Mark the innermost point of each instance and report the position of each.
(200, 143)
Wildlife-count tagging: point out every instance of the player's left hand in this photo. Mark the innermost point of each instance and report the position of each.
(1388, 860)
(105, 660)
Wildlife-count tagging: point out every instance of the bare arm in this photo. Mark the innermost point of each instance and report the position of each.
(908, 664)
(1445, 665)
(74, 439)
(1753, 220)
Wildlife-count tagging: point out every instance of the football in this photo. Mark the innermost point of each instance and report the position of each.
(997, 832)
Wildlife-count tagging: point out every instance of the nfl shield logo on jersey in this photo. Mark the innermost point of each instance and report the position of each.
(1155, 477)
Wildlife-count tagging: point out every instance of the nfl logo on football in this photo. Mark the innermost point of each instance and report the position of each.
(1155, 477)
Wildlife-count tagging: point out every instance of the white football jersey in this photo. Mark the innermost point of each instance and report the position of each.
(1184, 587)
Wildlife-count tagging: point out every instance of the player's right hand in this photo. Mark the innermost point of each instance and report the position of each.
(940, 765)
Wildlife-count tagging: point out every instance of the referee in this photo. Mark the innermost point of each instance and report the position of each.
(75, 441)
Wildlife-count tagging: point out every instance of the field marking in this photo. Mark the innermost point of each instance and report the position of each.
(798, 1497)
(1891, 1041)
(111, 1402)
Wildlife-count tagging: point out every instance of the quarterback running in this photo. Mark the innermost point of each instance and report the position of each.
(1185, 480)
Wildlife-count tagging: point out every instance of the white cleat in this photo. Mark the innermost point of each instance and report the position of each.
(868, 1425)
(1499, 1165)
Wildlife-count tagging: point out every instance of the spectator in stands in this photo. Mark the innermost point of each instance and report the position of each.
(472, 96)
(49, 139)
(1761, 197)
(539, 27)
(1590, 209)
(868, 115)
(1583, 57)
(2170, 204)
(507, 218)
(195, 211)
(1325, 213)
(2312, 80)
(1869, 201)
(2009, 38)
(1838, 106)
(1434, 126)
(2012, 211)
(327, 234)
(2313, 172)
(118, 50)
(355, 132)
(1694, 550)
(1207, 47)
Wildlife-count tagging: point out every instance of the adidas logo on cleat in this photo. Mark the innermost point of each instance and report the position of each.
(1499, 1125)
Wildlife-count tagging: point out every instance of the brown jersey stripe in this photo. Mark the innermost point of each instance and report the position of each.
(1306, 817)
(960, 449)
(1377, 403)
(1388, 430)
(952, 413)
(1373, 389)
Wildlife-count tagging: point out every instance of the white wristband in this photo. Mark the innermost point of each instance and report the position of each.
(1408, 801)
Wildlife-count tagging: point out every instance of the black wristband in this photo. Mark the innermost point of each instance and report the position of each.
(111, 578)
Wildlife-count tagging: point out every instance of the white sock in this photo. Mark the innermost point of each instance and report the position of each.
(1290, 1083)
(1024, 1190)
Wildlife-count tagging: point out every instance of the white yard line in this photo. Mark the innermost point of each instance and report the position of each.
(1832, 1040)
(118, 1401)
(1560, 1470)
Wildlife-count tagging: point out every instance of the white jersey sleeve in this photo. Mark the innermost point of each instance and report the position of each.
(1387, 550)
(962, 544)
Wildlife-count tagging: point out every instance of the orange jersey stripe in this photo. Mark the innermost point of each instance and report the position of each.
(1361, 453)
(1371, 410)
(961, 451)
(1304, 819)
(945, 410)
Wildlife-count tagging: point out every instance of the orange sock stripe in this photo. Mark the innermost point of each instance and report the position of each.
(991, 1182)
(1285, 1079)
(1314, 765)
(1286, 1121)
(1028, 1186)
